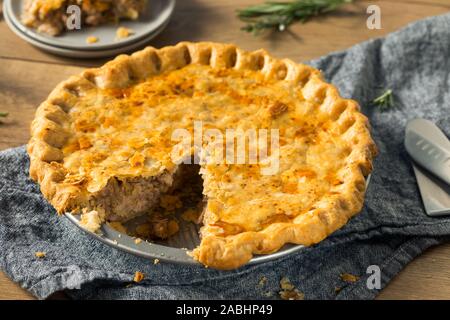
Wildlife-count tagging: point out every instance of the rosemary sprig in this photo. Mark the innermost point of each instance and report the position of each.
(3, 114)
(385, 101)
(279, 15)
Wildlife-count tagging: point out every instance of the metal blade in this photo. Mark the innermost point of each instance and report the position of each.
(435, 193)
(429, 147)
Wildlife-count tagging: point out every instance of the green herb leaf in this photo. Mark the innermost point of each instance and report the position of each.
(279, 15)
(385, 101)
(3, 114)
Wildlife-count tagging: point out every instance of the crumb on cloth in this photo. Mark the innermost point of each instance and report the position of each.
(347, 277)
(138, 277)
(262, 282)
(40, 254)
(288, 290)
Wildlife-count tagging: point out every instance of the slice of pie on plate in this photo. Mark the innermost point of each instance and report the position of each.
(49, 16)
(106, 143)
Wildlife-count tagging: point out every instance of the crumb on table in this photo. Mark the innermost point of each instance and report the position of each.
(156, 261)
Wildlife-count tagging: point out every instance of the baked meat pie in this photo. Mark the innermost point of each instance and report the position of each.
(50, 16)
(104, 144)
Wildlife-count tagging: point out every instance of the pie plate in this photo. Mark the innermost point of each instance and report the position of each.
(175, 249)
(158, 13)
(82, 54)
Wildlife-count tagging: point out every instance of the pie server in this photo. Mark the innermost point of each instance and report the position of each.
(430, 149)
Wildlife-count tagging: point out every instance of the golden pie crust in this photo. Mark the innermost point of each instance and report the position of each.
(106, 135)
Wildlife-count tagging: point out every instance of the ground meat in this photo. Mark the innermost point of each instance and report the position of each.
(50, 18)
(125, 199)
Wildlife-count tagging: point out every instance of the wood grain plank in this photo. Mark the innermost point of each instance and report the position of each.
(28, 75)
(12, 291)
(427, 277)
(198, 20)
(23, 86)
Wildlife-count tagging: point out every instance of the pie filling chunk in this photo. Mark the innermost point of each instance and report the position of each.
(113, 142)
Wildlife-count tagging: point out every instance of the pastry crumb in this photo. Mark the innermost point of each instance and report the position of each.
(123, 33)
(347, 277)
(156, 261)
(91, 40)
(286, 284)
(91, 220)
(137, 240)
(288, 290)
(138, 277)
(262, 282)
(291, 295)
(40, 254)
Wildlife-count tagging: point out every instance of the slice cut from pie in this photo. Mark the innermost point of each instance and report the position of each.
(107, 143)
(50, 16)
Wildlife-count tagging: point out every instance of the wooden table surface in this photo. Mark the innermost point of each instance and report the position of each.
(27, 75)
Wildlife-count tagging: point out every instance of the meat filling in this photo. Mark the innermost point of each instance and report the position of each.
(50, 16)
(122, 200)
(126, 199)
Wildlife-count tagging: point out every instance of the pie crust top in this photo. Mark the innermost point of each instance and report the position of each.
(116, 123)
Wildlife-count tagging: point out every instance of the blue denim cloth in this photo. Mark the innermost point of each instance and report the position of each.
(390, 231)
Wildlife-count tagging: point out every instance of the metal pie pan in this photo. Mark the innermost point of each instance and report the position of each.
(158, 13)
(174, 249)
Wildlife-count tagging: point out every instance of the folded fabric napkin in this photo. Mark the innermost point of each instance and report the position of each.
(390, 231)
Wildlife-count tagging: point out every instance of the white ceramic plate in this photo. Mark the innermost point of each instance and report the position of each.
(158, 13)
(82, 54)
